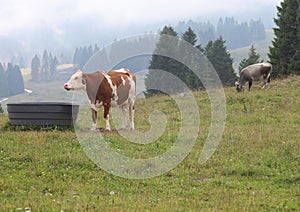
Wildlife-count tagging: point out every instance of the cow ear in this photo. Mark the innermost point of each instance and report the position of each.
(83, 79)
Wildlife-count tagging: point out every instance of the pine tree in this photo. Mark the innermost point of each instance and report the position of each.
(218, 55)
(294, 65)
(53, 65)
(14, 79)
(190, 36)
(36, 69)
(3, 82)
(253, 58)
(286, 41)
(45, 71)
(18, 80)
(10, 79)
(185, 74)
(160, 62)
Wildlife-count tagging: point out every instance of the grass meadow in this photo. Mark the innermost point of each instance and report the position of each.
(256, 166)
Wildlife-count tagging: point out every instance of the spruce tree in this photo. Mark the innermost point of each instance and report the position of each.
(190, 36)
(10, 79)
(18, 80)
(35, 69)
(185, 74)
(53, 65)
(218, 55)
(286, 41)
(3, 82)
(160, 62)
(253, 57)
(45, 71)
(14, 79)
(294, 65)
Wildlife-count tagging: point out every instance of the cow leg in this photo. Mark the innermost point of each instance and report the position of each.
(106, 116)
(250, 84)
(125, 111)
(267, 81)
(94, 118)
(131, 115)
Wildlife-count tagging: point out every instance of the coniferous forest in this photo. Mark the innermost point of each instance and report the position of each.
(214, 41)
(236, 34)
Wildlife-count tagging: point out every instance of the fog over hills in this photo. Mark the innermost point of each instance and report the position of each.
(60, 27)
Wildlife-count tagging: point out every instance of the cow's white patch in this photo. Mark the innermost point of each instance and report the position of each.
(107, 125)
(96, 106)
(132, 89)
(123, 81)
(114, 101)
(93, 106)
(132, 119)
(125, 111)
(122, 70)
(98, 103)
(113, 87)
(94, 126)
(114, 90)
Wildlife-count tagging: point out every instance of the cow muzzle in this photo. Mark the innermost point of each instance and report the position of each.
(67, 87)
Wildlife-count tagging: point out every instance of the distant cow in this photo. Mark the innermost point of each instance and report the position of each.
(113, 88)
(252, 73)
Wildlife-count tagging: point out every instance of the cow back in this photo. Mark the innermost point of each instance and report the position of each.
(125, 83)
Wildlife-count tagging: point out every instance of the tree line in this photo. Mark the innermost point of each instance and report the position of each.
(83, 54)
(284, 53)
(215, 51)
(43, 69)
(11, 80)
(236, 34)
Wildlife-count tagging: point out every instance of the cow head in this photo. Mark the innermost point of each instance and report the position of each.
(239, 88)
(76, 82)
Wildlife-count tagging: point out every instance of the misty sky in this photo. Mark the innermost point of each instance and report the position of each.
(20, 14)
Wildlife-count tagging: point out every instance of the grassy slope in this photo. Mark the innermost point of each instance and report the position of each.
(256, 166)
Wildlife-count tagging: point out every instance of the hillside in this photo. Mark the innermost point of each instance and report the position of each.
(255, 167)
(261, 47)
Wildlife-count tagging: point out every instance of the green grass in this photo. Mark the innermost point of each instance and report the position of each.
(255, 167)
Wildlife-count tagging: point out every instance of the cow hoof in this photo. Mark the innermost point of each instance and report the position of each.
(94, 129)
(107, 129)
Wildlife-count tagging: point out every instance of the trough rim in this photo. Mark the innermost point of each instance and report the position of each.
(42, 103)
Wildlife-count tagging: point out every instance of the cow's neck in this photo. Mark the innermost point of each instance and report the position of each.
(242, 81)
(93, 82)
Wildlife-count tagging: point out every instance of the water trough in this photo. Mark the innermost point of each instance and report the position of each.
(42, 114)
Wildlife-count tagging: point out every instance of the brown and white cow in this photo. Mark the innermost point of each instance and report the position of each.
(107, 89)
(252, 73)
